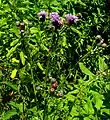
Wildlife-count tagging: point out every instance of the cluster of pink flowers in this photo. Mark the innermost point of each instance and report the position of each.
(56, 20)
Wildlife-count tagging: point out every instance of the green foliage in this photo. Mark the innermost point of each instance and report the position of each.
(50, 73)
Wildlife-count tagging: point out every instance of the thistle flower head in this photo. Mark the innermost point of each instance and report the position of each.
(54, 16)
(55, 19)
(71, 19)
(42, 15)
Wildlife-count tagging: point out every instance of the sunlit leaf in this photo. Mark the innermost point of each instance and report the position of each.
(13, 73)
(22, 57)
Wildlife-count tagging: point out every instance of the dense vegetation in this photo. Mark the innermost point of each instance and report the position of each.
(54, 60)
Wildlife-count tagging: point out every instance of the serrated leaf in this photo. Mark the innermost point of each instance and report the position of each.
(13, 73)
(85, 70)
(22, 58)
(40, 66)
(9, 114)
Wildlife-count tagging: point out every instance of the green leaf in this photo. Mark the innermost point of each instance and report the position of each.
(76, 31)
(12, 50)
(13, 73)
(102, 65)
(97, 99)
(86, 118)
(17, 106)
(74, 91)
(89, 107)
(40, 66)
(14, 42)
(99, 103)
(9, 114)
(44, 47)
(105, 110)
(33, 30)
(85, 70)
(74, 112)
(10, 84)
(22, 58)
(70, 97)
(3, 21)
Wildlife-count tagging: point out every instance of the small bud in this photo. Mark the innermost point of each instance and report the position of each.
(52, 90)
(22, 26)
(17, 23)
(79, 15)
(98, 37)
(30, 24)
(53, 80)
(54, 85)
(21, 31)
(60, 93)
(104, 45)
(101, 41)
(38, 88)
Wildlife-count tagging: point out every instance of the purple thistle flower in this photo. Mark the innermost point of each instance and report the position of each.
(42, 15)
(71, 19)
(75, 18)
(54, 16)
(56, 21)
